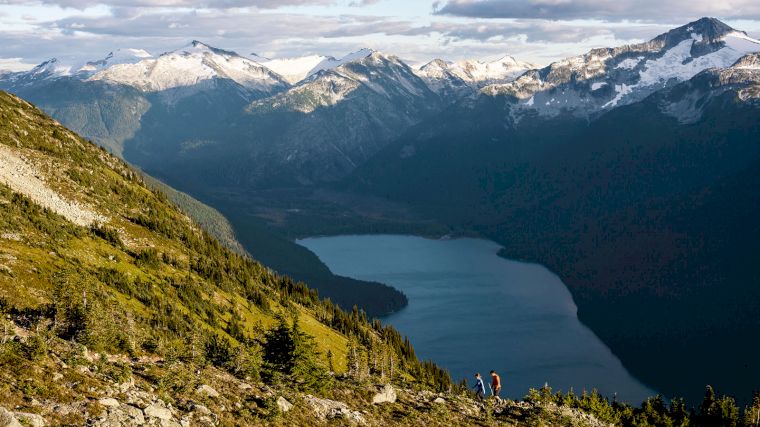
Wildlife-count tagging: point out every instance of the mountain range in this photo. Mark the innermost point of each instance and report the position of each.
(613, 168)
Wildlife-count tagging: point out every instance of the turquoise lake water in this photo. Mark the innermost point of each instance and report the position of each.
(472, 311)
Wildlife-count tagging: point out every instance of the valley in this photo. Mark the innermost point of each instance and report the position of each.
(613, 169)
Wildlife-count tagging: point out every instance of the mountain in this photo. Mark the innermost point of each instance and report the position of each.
(646, 211)
(316, 131)
(606, 78)
(122, 105)
(476, 74)
(192, 66)
(117, 57)
(117, 309)
(296, 69)
(613, 168)
(102, 280)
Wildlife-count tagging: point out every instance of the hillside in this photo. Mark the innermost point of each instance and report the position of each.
(92, 257)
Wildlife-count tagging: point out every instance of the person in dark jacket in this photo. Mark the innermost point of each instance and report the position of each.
(480, 388)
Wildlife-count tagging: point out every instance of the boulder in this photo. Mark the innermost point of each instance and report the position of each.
(7, 419)
(439, 400)
(159, 411)
(201, 409)
(31, 420)
(283, 404)
(204, 390)
(108, 402)
(327, 409)
(387, 394)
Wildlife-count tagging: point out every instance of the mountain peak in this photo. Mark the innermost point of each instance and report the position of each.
(710, 30)
(199, 46)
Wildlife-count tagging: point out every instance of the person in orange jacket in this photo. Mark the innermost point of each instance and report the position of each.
(495, 384)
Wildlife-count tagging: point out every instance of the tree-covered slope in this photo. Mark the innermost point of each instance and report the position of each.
(92, 259)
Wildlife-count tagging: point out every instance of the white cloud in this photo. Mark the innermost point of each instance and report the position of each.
(204, 4)
(75, 36)
(14, 64)
(617, 10)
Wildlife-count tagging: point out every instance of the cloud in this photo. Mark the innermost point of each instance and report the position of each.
(14, 64)
(618, 10)
(536, 31)
(203, 4)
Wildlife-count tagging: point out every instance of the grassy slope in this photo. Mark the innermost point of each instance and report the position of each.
(49, 244)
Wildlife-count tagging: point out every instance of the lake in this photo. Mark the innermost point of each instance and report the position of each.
(472, 311)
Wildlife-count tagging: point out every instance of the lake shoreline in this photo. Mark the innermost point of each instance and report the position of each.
(462, 262)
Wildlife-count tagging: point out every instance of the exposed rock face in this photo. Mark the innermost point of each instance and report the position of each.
(387, 394)
(327, 409)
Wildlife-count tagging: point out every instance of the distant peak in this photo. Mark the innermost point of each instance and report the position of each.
(711, 30)
(199, 46)
(259, 57)
(438, 62)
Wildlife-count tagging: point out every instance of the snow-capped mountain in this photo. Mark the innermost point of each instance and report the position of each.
(610, 77)
(44, 72)
(453, 77)
(189, 66)
(687, 101)
(298, 68)
(119, 56)
(384, 75)
(322, 128)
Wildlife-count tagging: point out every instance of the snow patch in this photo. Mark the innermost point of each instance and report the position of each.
(621, 91)
(629, 63)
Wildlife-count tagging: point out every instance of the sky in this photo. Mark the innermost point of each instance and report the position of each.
(537, 31)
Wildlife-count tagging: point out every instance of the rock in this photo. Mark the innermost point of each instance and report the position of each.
(134, 414)
(159, 411)
(127, 385)
(7, 419)
(86, 355)
(283, 404)
(57, 376)
(201, 409)
(207, 391)
(327, 409)
(32, 420)
(138, 398)
(387, 394)
(439, 400)
(108, 402)
(245, 386)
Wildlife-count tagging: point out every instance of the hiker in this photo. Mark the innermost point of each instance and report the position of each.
(480, 388)
(495, 385)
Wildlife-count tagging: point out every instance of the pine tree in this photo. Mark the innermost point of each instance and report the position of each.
(719, 412)
(752, 412)
(279, 348)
